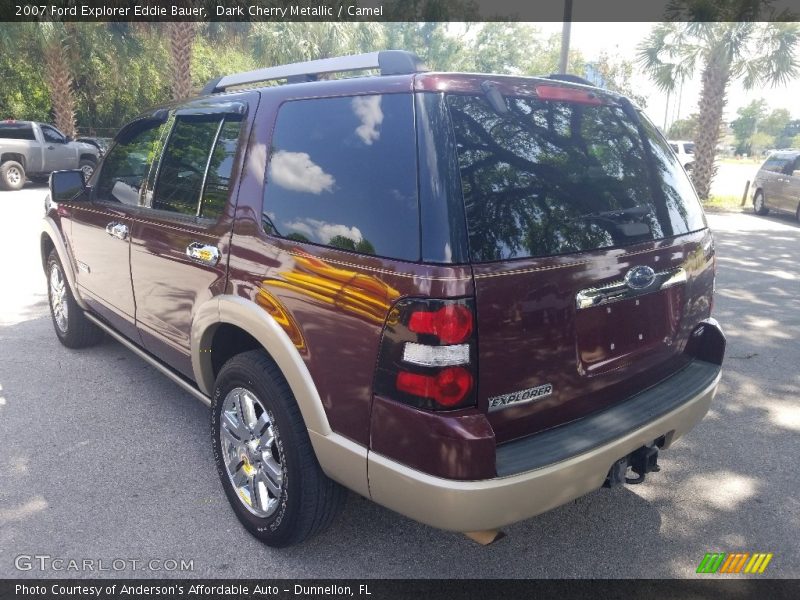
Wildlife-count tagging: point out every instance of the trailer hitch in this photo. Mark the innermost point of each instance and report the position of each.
(641, 461)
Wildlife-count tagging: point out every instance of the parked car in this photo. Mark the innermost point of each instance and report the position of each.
(470, 298)
(34, 150)
(101, 143)
(776, 185)
(685, 152)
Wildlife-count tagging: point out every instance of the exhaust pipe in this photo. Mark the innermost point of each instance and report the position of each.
(484, 538)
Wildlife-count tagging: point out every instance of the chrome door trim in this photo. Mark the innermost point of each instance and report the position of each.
(203, 253)
(117, 230)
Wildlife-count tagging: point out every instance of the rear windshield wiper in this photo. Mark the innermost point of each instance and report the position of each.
(620, 214)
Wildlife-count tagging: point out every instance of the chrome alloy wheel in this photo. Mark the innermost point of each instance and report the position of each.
(87, 171)
(14, 176)
(758, 203)
(58, 298)
(252, 452)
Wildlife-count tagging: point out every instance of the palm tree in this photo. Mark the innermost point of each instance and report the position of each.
(181, 39)
(755, 53)
(49, 41)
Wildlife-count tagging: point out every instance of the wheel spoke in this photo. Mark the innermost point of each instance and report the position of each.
(262, 425)
(248, 410)
(273, 476)
(238, 476)
(233, 426)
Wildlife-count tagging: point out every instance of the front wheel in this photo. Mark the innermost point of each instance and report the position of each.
(12, 175)
(87, 166)
(73, 329)
(759, 206)
(264, 457)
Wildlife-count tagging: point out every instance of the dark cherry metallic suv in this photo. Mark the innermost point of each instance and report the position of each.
(470, 298)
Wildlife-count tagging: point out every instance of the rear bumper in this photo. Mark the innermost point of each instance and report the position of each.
(493, 503)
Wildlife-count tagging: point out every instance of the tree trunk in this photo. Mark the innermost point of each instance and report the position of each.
(181, 37)
(59, 83)
(716, 74)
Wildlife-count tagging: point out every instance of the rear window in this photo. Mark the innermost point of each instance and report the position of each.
(553, 178)
(16, 131)
(343, 173)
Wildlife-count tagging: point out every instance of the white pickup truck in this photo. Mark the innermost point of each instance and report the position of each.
(34, 150)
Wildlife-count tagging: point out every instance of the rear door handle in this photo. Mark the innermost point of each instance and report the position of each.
(203, 253)
(117, 230)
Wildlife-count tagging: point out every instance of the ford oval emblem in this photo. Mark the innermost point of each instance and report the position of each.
(638, 278)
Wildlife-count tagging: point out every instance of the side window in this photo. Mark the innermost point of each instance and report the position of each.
(53, 136)
(126, 165)
(342, 173)
(674, 148)
(220, 166)
(189, 168)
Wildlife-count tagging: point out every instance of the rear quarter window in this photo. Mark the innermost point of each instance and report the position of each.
(16, 131)
(541, 180)
(342, 173)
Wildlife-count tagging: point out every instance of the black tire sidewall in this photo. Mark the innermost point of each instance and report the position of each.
(72, 306)
(276, 529)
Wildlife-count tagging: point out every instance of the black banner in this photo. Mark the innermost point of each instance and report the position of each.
(400, 10)
(430, 589)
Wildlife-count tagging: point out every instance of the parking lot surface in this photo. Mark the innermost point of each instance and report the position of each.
(103, 458)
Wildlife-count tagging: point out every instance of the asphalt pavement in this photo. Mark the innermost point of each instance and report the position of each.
(104, 459)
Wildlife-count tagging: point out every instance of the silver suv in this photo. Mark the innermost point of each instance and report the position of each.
(777, 184)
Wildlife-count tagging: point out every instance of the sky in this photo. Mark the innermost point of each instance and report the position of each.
(621, 39)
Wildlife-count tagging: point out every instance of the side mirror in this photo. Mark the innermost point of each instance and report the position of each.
(68, 139)
(66, 186)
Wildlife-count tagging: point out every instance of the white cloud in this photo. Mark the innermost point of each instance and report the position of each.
(297, 172)
(324, 231)
(368, 110)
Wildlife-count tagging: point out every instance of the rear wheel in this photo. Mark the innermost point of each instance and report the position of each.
(12, 175)
(759, 206)
(264, 456)
(73, 329)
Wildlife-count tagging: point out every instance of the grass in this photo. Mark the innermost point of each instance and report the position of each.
(724, 203)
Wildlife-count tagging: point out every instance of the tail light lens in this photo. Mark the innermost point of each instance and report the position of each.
(428, 354)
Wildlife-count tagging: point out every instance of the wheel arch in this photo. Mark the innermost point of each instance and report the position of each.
(20, 158)
(251, 324)
(51, 239)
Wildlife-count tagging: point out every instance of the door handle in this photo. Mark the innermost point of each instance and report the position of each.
(51, 147)
(203, 253)
(117, 230)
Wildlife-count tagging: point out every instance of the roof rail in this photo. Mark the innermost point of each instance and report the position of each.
(390, 62)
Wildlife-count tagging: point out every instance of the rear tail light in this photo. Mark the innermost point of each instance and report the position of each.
(428, 354)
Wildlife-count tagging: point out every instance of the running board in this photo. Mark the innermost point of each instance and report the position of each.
(151, 360)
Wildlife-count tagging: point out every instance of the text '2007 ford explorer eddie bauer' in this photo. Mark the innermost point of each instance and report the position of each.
(470, 298)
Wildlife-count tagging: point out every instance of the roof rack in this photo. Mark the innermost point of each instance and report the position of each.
(390, 62)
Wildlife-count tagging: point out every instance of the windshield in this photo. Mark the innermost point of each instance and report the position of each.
(553, 177)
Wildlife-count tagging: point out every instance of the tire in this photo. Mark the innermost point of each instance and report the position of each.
(273, 481)
(88, 167)
(12, 176)
(688, 168)
(73, 329)
(759, 206)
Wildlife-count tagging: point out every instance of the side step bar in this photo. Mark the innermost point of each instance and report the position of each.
(151, 360)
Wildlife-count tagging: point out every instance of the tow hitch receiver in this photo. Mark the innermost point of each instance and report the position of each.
(641, 461)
